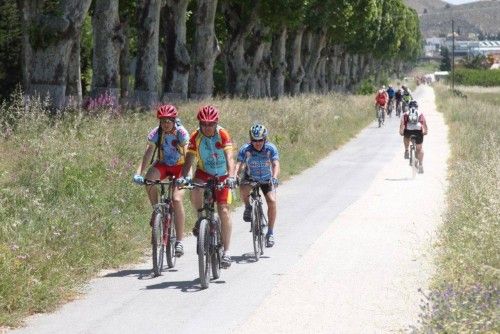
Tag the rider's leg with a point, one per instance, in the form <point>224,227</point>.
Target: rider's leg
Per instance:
<point>152,174</point>
<point>197,197</point>
<point>225,218</point>
<point>245,193</point>
<point>179,212</point>
<point>271,209</point>
<point>420,153</point>
<point>406,142</point>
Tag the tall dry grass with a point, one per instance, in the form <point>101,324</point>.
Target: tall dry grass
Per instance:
<point>465,296</point>
<point>68,207</point>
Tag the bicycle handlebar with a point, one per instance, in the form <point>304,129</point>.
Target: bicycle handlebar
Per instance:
<point>159,182</point>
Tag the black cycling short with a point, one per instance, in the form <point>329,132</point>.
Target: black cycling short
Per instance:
<point>418,133</point>
<point>265,187</point>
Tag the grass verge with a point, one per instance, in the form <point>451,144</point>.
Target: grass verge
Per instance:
<point>68,207</point>
<point>465,294</point>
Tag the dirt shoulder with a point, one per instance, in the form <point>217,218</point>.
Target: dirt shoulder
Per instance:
<point>364,272</point>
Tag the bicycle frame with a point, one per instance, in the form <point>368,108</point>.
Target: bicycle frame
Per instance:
<point>413,155</point>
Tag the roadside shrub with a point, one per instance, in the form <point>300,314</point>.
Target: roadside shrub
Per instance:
<point>474,77</point>
<point>366,87</point>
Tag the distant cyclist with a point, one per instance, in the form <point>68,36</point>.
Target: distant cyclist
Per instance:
<point>212,147</point>
<point>169,140</point>
<point>391,94</point>
<point>260,159</point>
<point>413,123</point>
<point>398,96</point>
<point>381,99</point>
<point>406,97</point>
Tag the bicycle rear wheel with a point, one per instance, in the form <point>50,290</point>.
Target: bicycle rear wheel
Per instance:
<point>216,250</point>
<point>157,245</point>
<point>413,161</point>
<point>171,238</point>
<point>203,245</point>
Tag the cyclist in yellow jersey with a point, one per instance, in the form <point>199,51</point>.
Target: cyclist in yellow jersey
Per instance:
<point>211,145</point>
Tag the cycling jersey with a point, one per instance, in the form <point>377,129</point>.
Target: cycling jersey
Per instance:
<point>258,162</point>
<point>171,144</point>
<point>391,93</point>
<point>399,95</point>
<point>381,99</point>
<point>210,151</point>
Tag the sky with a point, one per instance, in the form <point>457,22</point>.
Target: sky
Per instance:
<point>459,2</point>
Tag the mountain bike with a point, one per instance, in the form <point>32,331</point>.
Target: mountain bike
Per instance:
<point>413,155</point>
<point>380,115</point>
<point>259,220</point>
<point>398,108</point>
<point>163,233</point>
<point>209,239</point>
<point>390,107</point>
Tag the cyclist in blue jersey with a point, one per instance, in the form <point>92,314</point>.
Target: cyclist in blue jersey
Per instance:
<point>260,160</point>
<point>391,93</point>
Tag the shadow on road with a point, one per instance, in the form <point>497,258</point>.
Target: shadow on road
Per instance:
<point>184,286</point>
<point>246,258</point>
<point>140,273</point>
<point>401,179</point>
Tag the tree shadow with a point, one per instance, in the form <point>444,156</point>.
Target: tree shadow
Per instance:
<point>139,273</point>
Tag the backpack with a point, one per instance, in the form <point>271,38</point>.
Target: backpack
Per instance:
<point>413,116</point>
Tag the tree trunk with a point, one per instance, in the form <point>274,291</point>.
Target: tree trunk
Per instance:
<point>320,77</point>
<point>205,50</point>
<point>278,63</point>
<point>237,68</point>
<point>108,40</point>
<point>265,73</point>
<point>176,63</point>
<point>74,80</point>
<point>254,55</point>
<point>47,47</point>
<point>125,64</point>
<point>146,77</point>
<point>295,69</point>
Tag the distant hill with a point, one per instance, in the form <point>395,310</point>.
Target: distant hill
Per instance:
<point>479,18</point>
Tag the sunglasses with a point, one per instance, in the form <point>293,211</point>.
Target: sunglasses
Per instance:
<point>257,140</point>
<point>208,124</point>
<point>166,120</point>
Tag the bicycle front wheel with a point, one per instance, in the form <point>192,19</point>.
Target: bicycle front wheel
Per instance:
<point>216,250</point>
<point>203,245</point>
<point>171,238</point>
<point>157,244</point>
<point>257,232</point>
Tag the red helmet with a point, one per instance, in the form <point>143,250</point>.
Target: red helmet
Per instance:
<point>166,111</point>
<point>208,114</point>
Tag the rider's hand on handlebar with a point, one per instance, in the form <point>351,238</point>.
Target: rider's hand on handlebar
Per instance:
<point>231,182</point>
<point>274,181</point>
<point>183,181</point>
<point>139,179</point>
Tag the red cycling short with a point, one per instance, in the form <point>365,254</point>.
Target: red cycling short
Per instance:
<point>222,195</point>
<point>165,170</point>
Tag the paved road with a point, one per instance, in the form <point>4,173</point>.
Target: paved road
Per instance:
<point>352,242</point>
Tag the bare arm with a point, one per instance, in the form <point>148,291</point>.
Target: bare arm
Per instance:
<point>145,159</point>
<point>230,162</point>
<point>275,168</point>
<point>190,156</point>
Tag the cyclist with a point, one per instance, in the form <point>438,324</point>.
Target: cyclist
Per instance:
<point>261,159</point>
<point>381,99</point>
<point>413,123</point>
<point>211,145</point>
<point>406,97</point>
<point>391,94</point>
<point>170,140</point>
<point>399,99</point>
